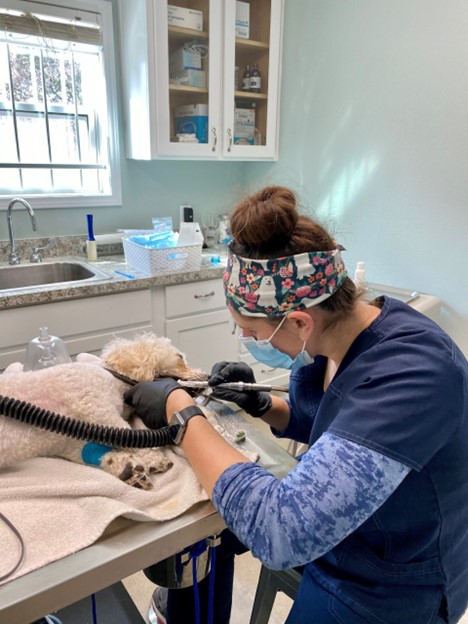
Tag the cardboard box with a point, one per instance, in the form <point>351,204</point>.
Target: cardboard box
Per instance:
<point>244,126</point>
<point>186,18</point>
<point>183,59</point>
<point>189,77</point>
<point>192,119</point>
<point>242,19</point>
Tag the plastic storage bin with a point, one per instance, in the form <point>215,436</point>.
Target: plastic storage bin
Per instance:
<point>162,261</point>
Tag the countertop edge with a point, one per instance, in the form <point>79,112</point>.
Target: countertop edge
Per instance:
<point>116,283</point>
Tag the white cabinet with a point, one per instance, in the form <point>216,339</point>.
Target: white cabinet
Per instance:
<point>154,95</point>
<point>197,322</point>
<point>85,325</point>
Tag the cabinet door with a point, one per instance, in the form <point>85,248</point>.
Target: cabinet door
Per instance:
<point>204,338</point>
<point>251,118</point>
<point>188,74</point>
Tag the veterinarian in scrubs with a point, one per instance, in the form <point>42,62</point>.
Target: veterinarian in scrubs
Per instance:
<point>376,510</point>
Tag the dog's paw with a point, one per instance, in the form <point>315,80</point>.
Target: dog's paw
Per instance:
<point>135,468</point>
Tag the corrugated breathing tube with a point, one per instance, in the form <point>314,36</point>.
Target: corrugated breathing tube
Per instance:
<point>111,436</point>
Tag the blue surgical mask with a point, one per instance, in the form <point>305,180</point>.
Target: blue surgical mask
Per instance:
<point>263,351</point>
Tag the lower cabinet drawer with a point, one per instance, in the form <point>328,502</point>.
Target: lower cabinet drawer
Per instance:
<point>186,299</point>
<point>85,325</point>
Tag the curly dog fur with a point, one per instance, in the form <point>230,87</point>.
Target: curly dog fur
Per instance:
<point>85,390</point>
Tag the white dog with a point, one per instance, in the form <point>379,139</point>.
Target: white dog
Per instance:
<point>86,391</point>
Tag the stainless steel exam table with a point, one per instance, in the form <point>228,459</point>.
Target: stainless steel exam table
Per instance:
<point>127,546</point>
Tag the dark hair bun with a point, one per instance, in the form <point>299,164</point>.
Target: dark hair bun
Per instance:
<point>266,219</point>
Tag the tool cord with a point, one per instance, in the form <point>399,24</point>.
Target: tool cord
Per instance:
<point>116,437</point>
<point>17,534</point>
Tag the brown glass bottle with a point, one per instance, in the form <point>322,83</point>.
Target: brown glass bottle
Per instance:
<point>255,79</point>
<point>246,79</point>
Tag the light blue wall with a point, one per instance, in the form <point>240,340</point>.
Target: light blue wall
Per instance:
<point>374,137</point>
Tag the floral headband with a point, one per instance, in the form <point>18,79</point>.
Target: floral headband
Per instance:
<point>273,287</point>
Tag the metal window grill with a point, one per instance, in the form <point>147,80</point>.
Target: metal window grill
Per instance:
<point>52,101</point>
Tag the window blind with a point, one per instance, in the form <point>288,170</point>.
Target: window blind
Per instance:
<point>38,23</point>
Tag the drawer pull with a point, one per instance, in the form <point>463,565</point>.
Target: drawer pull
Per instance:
<point>267,370</point>
<point>210,294</point>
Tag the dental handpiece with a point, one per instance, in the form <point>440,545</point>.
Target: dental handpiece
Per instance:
<point>240,386</point>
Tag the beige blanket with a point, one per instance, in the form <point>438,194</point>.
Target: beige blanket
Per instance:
<point>60,507</point>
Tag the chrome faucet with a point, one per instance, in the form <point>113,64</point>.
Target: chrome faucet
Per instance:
<point>13,255</point>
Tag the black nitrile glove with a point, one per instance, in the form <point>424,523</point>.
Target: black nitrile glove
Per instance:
<point>149,400</point>
<point>254,403</point>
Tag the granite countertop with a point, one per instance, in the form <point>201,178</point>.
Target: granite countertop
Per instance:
<point>109,280</point>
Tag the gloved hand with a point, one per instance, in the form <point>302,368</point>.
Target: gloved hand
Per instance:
<point>254,403</point>
<point>149,400</point>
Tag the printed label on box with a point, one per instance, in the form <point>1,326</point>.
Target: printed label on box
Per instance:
<point>186,18</point>
<point>242,19</point>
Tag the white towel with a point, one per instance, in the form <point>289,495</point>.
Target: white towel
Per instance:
<point>60,507</point>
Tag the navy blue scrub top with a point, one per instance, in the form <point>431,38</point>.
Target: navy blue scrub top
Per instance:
<point>402,390</point>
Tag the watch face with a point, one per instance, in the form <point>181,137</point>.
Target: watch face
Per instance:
<point>177,419</point>
<point>182,417</point>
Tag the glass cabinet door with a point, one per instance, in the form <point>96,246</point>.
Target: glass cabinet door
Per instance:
<point>252,67</point>
<point>188,92</point>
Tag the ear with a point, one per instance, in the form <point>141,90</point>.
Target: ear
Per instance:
<point>304,322</point>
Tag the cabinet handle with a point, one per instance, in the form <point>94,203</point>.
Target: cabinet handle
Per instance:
<point>210,294</point>
<point>234,328</point>
<point>267,370</point>
<point>229,133</point>
<point>215,139</point>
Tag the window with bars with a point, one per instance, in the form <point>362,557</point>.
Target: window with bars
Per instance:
<point>58,124</point>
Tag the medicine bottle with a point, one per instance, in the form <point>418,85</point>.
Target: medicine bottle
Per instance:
<point>246,79</point>
<point>255,79</point>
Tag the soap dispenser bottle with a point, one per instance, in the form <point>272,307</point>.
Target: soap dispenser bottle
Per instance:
<point>360,275</point>
<point>45,351</point>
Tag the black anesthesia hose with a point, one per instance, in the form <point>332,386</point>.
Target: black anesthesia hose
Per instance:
<point>111,436</point>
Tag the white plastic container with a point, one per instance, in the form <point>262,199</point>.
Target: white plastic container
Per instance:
<point>360,275</point>
<point>163,261</point>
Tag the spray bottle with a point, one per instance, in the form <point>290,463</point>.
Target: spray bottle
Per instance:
<point>360,275</point>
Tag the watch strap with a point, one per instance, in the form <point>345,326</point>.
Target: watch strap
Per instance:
<point>181,418</point>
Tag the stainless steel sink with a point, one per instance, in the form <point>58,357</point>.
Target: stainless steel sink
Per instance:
<point>48,273</point>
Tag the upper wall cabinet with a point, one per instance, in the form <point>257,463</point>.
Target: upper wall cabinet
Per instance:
<point>201,78</point>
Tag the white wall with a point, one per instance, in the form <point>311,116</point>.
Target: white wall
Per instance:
<point>374,137</point>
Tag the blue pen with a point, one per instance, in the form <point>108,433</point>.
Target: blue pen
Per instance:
<point>129,275</point>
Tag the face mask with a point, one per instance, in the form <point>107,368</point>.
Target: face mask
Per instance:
<point>263,351</point>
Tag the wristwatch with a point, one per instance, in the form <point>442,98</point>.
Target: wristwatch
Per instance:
<point>182,417</point>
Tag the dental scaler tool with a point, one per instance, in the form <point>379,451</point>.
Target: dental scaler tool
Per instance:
<point>240,386</point>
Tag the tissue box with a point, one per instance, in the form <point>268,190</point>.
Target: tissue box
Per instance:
<point>186,18</point>
<point>242,19</point>
<point>189,77</point>
<point>183,59</point>
<point>192,118</point>
<point>244,126</point>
